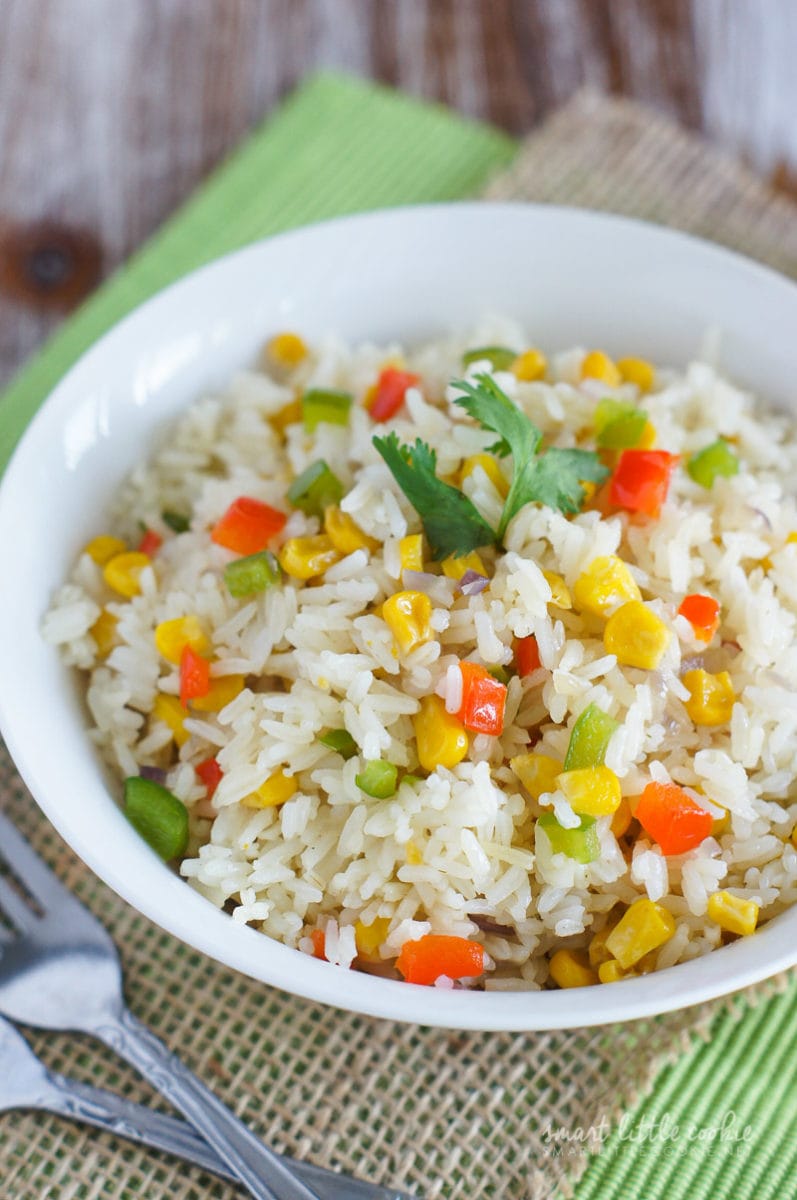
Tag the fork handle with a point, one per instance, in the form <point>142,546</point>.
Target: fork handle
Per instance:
<point>136,1123</point>
<point>254,1165</point>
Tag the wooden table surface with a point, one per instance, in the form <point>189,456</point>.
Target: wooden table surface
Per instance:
<point>111,111</point>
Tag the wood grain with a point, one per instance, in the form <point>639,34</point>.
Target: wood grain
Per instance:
<point>111,112</point>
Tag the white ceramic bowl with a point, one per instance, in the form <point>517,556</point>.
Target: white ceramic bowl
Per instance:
<point>572,277</point>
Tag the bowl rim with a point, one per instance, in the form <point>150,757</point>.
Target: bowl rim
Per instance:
<point>207,929</point>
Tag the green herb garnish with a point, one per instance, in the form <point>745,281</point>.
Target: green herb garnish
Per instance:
<point>451,521</point>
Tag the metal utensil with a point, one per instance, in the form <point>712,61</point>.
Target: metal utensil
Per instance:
<point>60,970</point>
<point>25,1082</point>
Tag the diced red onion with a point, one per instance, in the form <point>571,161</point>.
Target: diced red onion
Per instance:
<point>153,774</point>
<point>436,587</point>
<point>472,583</point>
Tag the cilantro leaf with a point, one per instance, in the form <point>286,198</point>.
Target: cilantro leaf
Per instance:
<point>553,477</point>
<point>451,522</point>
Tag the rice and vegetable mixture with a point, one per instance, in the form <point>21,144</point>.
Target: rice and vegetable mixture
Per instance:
<point>456,664</point>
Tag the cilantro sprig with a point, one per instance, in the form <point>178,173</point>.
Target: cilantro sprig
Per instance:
<point>452,523</point>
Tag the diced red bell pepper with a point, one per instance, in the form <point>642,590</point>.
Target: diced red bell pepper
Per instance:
<point>673,819</point>
<point>436,954</point>
<point>318,938</point>
<point>389,391</point>
<point>527,656</point>
<point>248,526</point>
<point>210,773</point>
<point>483,700</point>
<point>641,480</point>
<point>702,613</point>
<point>150,543</point>
<point>194,676</point>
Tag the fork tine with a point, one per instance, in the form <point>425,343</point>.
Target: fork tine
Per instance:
<point>28,867</point>
<point>15,908</point>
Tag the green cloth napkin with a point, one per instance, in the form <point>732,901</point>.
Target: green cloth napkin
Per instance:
<point>340,146</point>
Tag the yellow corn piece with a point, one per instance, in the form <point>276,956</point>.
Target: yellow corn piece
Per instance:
<point>605,584</point>
<point>537,772</point>
<point>413,855</point>
<point>441,740</point>
<point>407,615</point>
<point>491,469</point>
<point>560,592</point>
<point>368,938</point>
<point>455,568</point>
<point>344,532</point>
<point>104,548</point>
<point>570,969</point>
<point>792,538</point>
<point>643,927</point>
<point>612,972</point>
<point>278,788</point>
<point>123,570</point>
<point>590,791</point>
<point>647,438</point>
<point>104,633</point>
<point>638,371</point>
<point>597,365</point>
<point>307,557</point>
<point>169,710</point>
<point>172,637</point>
<point>597,951</point>
<point>711,697</point>
<point>636,636</point>
<point>223,690</point>
<point>411,552</point>
<point>622,818</point>
<point>530,365</point>
<point>732,913</point>
<point>289,414</point>
<point>286,350</point>
<point>721,824</point>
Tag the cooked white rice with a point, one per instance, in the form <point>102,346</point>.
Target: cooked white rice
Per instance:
<point>455,852</point>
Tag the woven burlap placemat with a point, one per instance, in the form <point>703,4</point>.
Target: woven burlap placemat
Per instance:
<point>456,1115</point>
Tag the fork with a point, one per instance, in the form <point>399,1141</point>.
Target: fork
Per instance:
<point>25,1082</point>
<point>61,970</point>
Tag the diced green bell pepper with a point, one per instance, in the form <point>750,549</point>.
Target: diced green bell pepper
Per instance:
<point>341,741</point>
<point>618,424</point>
<point>501,357</point>
<point>252,574</point>
<point>158,815</point>
<point>716,459</point>
<point>589,738</point>
<point>315,489</point>
<point>378,779</point>
<point>580,843</point>
<point>325,405</point>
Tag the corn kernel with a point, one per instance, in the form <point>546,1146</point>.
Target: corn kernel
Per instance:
<point>104,633</point>
<point>307,557</point>
<point>123,570</point>
<point>223,690</point>
<point>597,952</point>
<point>368,938</point>
<point>612,972</point>
<point>636,636</point>
<point>590,791</point>
<point>792,538</point>
<point>491,469</point>
<point>413,855</point>
<point>407,615</point>
<point>643,927</point>
<point>411,552</point>
<point>278,788</point>
<point>289,414</point>
<point>441,740</point>
<point>597,365</point>
<point>647,438</point>
<point>621,821</point>
<point>638,371</point>
<point>570,969</point>
<point>711,697</point>
<point>169,710</point>
<point>104,548</point>
<point>732,913</point>
<point>604,585</point>
<point>286,350</point>
<point>530,365</point>
<point>172,637</point>
<point>560,593</point>
<point>344,533</point>
<point>537,773</point>
<point>455,567</point>
<point>721,824</point>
